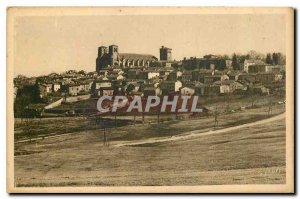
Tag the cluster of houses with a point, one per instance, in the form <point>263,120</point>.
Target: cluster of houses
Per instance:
<point>165,80</point>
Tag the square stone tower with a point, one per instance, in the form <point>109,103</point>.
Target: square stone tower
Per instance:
<point>165,54</point>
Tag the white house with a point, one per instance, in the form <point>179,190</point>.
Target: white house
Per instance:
<point>153,74</point>
<point>187,91</point>
<point>224,77</point>
<point>102,84</point>
<point>45,89</point>
<point>120,77</point>
<point>179,74</point>
<point>249,62</point>
<point>178,85</point>
<point>56,87</point>
<point>105,78</point>
<point>227,86</point>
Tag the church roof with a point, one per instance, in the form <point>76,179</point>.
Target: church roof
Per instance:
<point>133,56</point>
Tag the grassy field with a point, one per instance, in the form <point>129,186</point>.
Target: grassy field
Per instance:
<point>42,127</point>
<point>247,155</point>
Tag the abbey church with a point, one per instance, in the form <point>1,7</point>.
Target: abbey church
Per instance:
<point>111,57</point>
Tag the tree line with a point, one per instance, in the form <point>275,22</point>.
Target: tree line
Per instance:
<point>271,58</point>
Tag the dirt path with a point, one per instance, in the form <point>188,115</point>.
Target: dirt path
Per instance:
<point>199,133</point>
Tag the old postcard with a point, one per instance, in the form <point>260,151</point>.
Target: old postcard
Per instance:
<point>150,100</point>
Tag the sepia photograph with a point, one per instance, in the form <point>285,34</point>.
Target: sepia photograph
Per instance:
<point>150,100</point>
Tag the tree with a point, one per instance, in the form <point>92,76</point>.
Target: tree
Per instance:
<point>269,59</point>
<point>29,94</point>
<point>235,64</point>
<point>82,72</point>
<point>255,55</point>
<point>224,56</point>
<point>282,59</point>
<point>28,129</point>
<point>142,87</point>
<point>20,105</point>
<point>241,59</point>
<point>270,108</point>
<point>278,59</point>
<point>130,88</point>
<point>216,114</point>
<point>275,58</point>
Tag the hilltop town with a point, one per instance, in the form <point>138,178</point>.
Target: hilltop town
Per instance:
<point>145,75</point>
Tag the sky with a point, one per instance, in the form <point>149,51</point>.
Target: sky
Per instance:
<point>45,44</point>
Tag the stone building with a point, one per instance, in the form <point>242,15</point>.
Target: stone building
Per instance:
<point>249,62</point>
<point>210,62</point>
<point>265,78</point>
<point>165,53</point>
<point>111,57</point>
<point>168,87</point>
<point>259,68</point>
